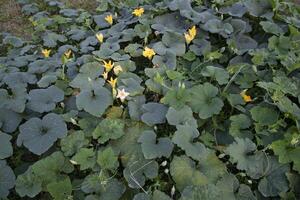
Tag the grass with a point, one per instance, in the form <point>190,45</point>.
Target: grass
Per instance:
<point>12,20</point>
<point>89,5</point>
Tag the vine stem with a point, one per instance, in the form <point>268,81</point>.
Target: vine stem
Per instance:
<point>232,78</point>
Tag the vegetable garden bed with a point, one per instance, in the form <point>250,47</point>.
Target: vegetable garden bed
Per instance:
<point>150,100</point>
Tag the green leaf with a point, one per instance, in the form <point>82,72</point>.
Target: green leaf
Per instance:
<point>104,187</point>
<point>153,147</point>
<point>184,137</point>
<point>73,143</point>
<point>86,158</point>
<point>245,193</point>
<point>271,27</point>
<point>228,186</point>
<point>94,101</point>
<point>107,159</point>
<point>54,166</point>
<point>238,125</point>
<point>288,151</point>
<point>176,98</point>
<point>275,180</point>
<point>156,195</point>
<point>212,167</point>
<point>264,115</point>
<point>184,173</point>
<point>7,179</point>
<point>109,129</point>
<point>217,73</point>
<point>204,100</point>
<point>154,113</point>
<point>44,100</point>
<point>183,116</point>
<point>60,190</point>
<point>89,76</point>
<point>171,41</point>
<point>28,184</point>
<point>239,150</point>
<point>205,192</point>
<point>6,149</point>
<point>10,121</point>
<point>14,101</point>
<point>139,171</point>
<point>38,135</point>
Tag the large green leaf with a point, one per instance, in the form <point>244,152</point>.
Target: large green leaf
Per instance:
<point>275,180</point>
<point>183,116</point>
<point>109,129</point>
<point>184,173</point>
<point>205,192</point>
<point>239,151</point>
<point>7,179</point>
<point>94,101</point>
<point>44,100</point>
<point>38,135</point>
<point>171,41</point>
<point>73,143</point>
<point>60,190</point>
<point>85,157</point>
<point>153,147</point>
<point>184,137</point>
<point>6,147</point>
<point>107,159</point>
<point>204,100</point>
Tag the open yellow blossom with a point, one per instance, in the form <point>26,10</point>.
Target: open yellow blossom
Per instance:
<point>68,53</point>
<point>112,82</point>
<point>108,65</point>
<point>105,75</point>
<point>190,35</point>
<point>46,52</point>
<point>138,12</point>
<point>100,37</point>
<point>122,94</point>
<point>246,97</point>
<point>148,53</point>
<point>109,19</point>
<point>117,69</point>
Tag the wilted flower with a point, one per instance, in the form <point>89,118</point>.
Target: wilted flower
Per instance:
<point>117,69</point>
<point>138,12</point>
<point>148,53</point>
<point>68,53</point>
<point>246,97</point>
<point>105,75</point>
<point>109,19</point>
<point>46,52</point>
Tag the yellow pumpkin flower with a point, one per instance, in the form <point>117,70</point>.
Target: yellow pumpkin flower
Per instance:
<point>246,97</point>
<point>100,37</point>
<point>190,35</point>
<point>109,19</point>
<point>68,53</point>
<point>112,82</point>
<point>138,12</point>
<point>148,53</point>
<point>46,52</point>
<point>117,69</point>
<point>108,65</point>
<point>105,75</point>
